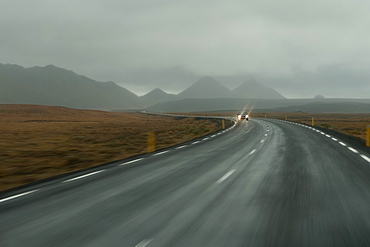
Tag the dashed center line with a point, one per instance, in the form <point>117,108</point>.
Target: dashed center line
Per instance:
<point>16,196</point>
<point>343,144</point>
<point>180,147</point>
<point>334,139</point>
<point>144,243</point>
<point>225,176</point>
<point>252,152</point>
<point>262,141</point>
<point>83,176</point>
<point>195,143</point>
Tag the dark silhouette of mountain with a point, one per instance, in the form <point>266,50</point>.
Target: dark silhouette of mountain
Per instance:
<point>51,85</point>
<point>157,96</point>
<point>319,97</point>
<point>252,89</point>
<point>206,88</point>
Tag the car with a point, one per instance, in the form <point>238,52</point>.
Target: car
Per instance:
<point>242,116</point>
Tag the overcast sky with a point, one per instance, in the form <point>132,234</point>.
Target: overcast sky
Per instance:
<point>299,48</point>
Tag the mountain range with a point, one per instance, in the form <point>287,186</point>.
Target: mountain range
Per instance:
<point>55,86</point>
<point>51,85</point>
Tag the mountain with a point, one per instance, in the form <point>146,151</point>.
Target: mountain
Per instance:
<point>206,88</point>
<point>254,90</point>
<point>157,96</point>
<point>51,85</point>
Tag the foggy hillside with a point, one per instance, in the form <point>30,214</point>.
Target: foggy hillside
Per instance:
<point>51,85</point>
<point>254,90</point>
<point>206,88</point>
<point>157,96</point>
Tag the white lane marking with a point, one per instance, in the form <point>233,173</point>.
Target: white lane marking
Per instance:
<point>353,150</point>
<point>180,147</point>
<point>225,176</point>
<point>195,143</point>
<point>365,158</point>
<point>252,152</point>
<point>16,196</point>
<point>328,136</point>
<point>265,134</point>
<point>343,144</point>
<point>132,161</point>
<point>205,139</point>
<point>334,139</point>
<point>213,136</point>
<point>144,243</point>
<point>161,153</point>
<point>262,141</point>
<point>83,176</point>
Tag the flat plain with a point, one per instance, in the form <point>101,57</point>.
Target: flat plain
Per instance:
<point>38,142</point>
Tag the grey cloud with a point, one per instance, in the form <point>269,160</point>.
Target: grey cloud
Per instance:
<point>146,44</point>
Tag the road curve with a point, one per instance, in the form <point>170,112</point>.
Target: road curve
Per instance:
<point>261,183</point>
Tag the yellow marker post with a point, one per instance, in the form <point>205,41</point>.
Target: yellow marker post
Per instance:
<point>368,136</point>
<point>313,121</point>
<point>223,123</point>
<point>151,142</point>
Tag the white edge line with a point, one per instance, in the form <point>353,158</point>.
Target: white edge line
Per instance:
<point>225,176</point>
<point>161,153</point>
<point>353,150</point>
<point>83,176</point>
<point>132,161</point>
<point>181,147</point>
<point>365,158</point>
<point>16,196</point>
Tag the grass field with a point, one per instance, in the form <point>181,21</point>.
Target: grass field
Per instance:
<point>37,142</point>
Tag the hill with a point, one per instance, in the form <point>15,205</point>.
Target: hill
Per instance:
<point>157,96</point>
<point>51,85</point>
<point>206,88</point>
<point>254,90</point>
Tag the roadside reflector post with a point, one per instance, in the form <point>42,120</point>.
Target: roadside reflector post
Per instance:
<point>368,136</point>
<point>151,142</point>
<point>265,116</point>
<point>223,123</point>
<point>313,121</point>
<point>286,117</point>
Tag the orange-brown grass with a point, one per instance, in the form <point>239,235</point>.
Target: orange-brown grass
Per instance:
<point>37,142</point>
<point>350,124</point>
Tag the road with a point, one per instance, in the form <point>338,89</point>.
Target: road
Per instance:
<point>261,183</point>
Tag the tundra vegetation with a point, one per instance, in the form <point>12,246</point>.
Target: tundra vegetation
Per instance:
<point>38,142</point>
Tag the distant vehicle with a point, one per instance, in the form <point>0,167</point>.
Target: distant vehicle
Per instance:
<point>242,116</point>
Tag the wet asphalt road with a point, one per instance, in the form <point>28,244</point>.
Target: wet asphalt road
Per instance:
<point>262,183</point>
